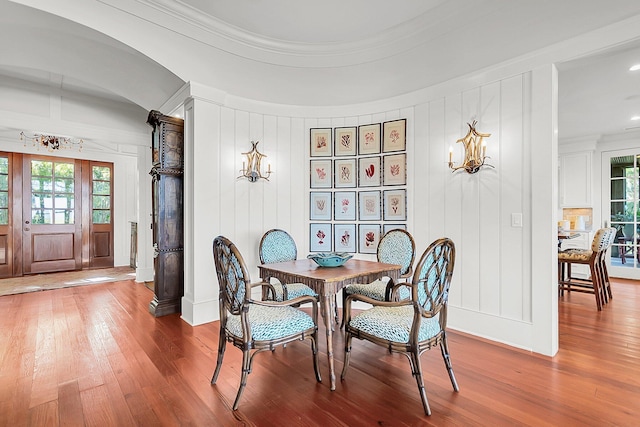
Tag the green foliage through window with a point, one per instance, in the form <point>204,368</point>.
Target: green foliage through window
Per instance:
<point>52,192</point>
<point>101,195</point>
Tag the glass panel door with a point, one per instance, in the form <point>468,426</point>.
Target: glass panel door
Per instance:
<point>621,206</point>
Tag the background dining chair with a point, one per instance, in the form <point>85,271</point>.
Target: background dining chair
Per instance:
<point>411,326</point>
<point>278,246</point>
<point>395,247</point>
<point>598,281</point>
<point>256,326</point>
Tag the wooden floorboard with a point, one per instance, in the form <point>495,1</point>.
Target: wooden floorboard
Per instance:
<point>94,356</point>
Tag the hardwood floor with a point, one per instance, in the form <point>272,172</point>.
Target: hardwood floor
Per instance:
<point>94,356</point>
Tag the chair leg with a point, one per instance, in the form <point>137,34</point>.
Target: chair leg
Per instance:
<point>596,284</point>
<point>246,369</point>
<point>604,296</point>
<point>222,344</point>
<point>607,282</point>
<point>416,370</point>
<point>444,348</point>
<point>314,350</point>
<point>347,353</point>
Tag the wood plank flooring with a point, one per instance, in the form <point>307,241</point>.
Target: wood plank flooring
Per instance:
<point>94,356</point>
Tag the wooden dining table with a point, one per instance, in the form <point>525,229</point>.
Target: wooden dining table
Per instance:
<point>326,282</point>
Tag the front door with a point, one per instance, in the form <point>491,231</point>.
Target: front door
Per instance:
<point>51,214</point>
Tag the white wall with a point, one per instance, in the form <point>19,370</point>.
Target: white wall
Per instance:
<point>492,291</point>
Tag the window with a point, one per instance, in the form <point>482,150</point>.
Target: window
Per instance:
<point>4,191</point>
<point>52,192</point>
<point>101,194</point>
<point>625,209</point>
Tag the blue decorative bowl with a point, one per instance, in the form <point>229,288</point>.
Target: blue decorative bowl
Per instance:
<point>330,259</point>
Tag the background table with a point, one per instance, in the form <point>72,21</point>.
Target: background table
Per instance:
<point>326,282</point>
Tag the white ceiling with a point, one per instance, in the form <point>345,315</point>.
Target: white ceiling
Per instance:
<point>332,52</point>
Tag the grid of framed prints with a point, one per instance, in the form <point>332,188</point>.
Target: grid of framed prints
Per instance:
<point>358,178</point>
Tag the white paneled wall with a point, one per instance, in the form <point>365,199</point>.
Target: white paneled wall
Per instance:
<point>492,283</point>
<point>498,269</point>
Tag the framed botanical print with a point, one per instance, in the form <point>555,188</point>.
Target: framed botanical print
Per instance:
<point>320,237</point>
<point>344,237</point>
<point>369,171</point>
<point>345,141</point>
<point>321,173</point>
<point>369,205</point>
<point>321,142</point>
<point>368,238</point>
<point>369,139</point>
<point>345,173</point>
<point>344,205</point>
<point>395,205</point>
<point>395,169</point>
<point>394,136</point>
<point>320,209</point>
<point>388,227</point>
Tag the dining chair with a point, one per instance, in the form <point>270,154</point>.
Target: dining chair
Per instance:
<point>412,326</point>
<point>278,246</point>
<point>256,326</point>
<point>598,281</point>
<point>395,247</point>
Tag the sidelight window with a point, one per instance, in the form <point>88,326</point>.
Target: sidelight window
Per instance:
<point>101,194</point>
<point>4,191</point>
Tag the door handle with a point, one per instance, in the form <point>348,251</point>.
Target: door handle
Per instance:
<point>27,229</point>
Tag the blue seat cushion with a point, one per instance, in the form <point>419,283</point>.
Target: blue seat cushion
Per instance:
<point>294,290</point>
<point>270,323</point>
<point>394,324</point>
<point>376,290</point>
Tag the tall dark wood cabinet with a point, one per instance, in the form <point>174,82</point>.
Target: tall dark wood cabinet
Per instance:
<point>167,222</point>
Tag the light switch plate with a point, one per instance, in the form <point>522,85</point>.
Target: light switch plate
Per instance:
<point>516,220</point>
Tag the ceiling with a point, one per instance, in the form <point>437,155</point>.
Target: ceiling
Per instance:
<point>321,53</point>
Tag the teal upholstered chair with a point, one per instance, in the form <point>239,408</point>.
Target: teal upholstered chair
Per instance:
<point>278,246</point>
<point>412,326</point>
<point>395,247</point>
<point>256,326</point>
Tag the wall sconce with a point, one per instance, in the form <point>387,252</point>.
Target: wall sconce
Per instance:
<point>475,150</point>
<point>251,166</point>
<point>51,142</point>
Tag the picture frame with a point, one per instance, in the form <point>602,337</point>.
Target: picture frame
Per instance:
<point>369,205</point>
<point>320,206</point>
<point>321,173</point>
<point>395,205</point>
<point>344,238</point>
<point>394,136</point>
<point>369,139</point>
<point>395,169</point>
<point>321,142</point>
<point>320,237</point>
<point>344,206</point>
<point>345,173</point>
<point>388,227</point>
<point>369,171</point>
<point>345,141</point>
<point>368,238</point>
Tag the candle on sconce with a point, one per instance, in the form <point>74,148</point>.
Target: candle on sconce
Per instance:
<point>484,149</point>
<point>243,166</point>
<point>450,154</point>
<point>268,167</point>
